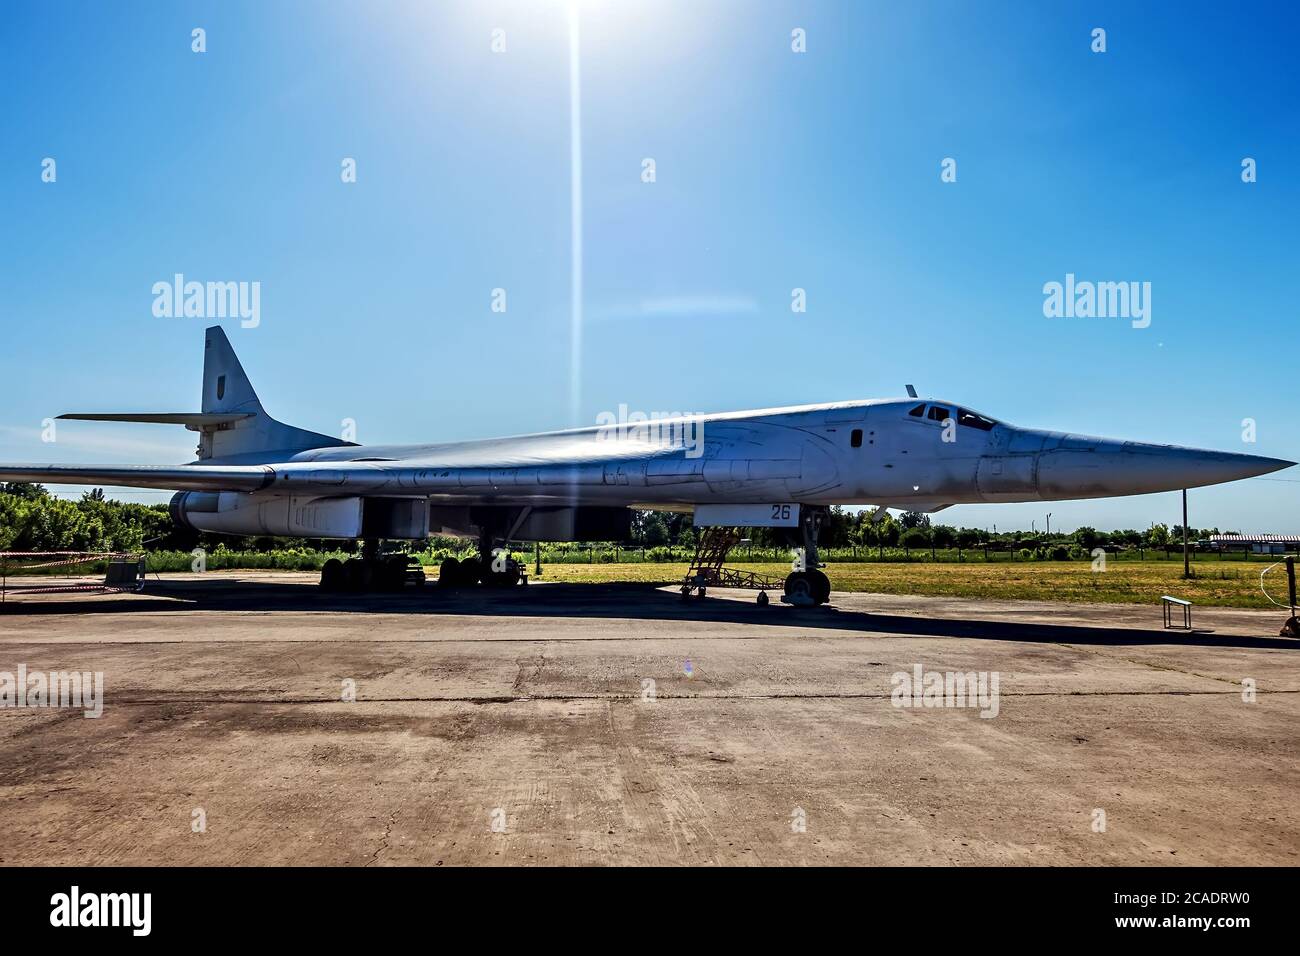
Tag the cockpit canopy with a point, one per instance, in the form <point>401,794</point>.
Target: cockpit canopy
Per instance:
<point>933,411</point>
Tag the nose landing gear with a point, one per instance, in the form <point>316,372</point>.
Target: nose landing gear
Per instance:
<point>807,588</point>
<point>811,586</point>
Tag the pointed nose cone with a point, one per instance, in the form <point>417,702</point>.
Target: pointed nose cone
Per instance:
<point>1102,468</point>
<point>1193,467</point>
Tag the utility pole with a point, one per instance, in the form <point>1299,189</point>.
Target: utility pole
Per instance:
<point>1049,524</point>
<point>1187,561</point>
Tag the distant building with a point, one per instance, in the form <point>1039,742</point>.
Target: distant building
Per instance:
<point>1256,543</point>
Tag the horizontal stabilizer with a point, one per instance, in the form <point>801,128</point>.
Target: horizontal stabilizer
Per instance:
<point>194,420</point>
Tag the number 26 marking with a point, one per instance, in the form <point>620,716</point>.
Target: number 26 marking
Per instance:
<point>780,512</point>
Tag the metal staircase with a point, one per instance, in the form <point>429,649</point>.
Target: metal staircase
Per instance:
<point>707,569</point>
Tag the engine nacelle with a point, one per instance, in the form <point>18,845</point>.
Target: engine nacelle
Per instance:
<point>300,516</point>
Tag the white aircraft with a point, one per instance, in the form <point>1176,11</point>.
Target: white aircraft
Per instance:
<point>777,467</point>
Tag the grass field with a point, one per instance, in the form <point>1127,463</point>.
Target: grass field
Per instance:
<point>1216,583</point>
<point>1124,582</point>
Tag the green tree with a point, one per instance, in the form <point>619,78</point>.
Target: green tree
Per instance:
<point>656,530</point>
<point>914,519</point>
<point>915,538</point>
<point>943,536</point>
<point>23,489</point>
<point>1086,538</point>
<point>887,531</point>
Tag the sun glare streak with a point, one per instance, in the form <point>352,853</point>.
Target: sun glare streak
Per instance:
<point>575,217</point>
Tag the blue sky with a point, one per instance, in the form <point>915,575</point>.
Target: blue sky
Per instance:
<point>774,170</point>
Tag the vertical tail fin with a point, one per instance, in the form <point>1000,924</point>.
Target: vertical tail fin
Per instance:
<point>252,440</point>
<point>225,386</point>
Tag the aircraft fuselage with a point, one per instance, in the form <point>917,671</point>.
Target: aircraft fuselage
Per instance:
<point>855,453</point>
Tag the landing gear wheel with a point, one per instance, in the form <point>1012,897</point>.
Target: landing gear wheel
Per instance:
<point>359,575</point>
<point>332,575</point>
<point>762,599</point>
<point>821,586</point>
<point>449,573</point>
<point>699,594</point>
<point>799,588</point>
<point>471,571</point>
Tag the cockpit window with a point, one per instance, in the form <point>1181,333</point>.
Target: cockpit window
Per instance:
<point>938,413</point>
<point>974,420</point>
<point>918,411</point>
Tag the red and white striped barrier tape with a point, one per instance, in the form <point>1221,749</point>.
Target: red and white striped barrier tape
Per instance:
<point>80,557</point>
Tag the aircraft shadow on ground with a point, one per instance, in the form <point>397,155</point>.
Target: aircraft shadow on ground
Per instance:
<point>638,602</point>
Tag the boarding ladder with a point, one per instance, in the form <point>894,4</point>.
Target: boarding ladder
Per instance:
<point>707,569</point>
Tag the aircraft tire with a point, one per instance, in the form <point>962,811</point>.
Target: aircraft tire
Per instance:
<point>471,571</point>
<point>449,573</point>
<point>798,584</point>
<point>360,575</point>
<point>332,576</point>
<point>821,586</point>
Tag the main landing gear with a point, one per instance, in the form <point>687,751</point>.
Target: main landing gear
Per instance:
<point>472,571</point>
<point>491,569</point>
<point>371,571</point>
<point>811,586</point>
